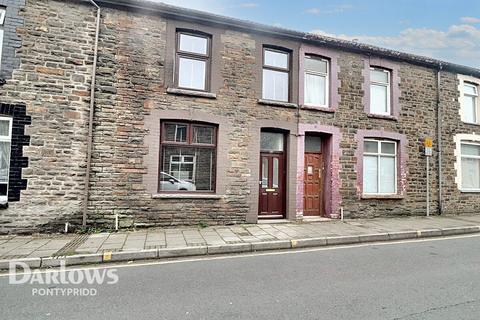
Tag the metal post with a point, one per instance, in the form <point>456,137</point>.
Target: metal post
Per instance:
<point>428,186</point>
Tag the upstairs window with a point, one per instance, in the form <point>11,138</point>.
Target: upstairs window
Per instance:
<point>380,91</point>
<point>379,167</point>
<point>470,103</point>
<point>193,61</point>
<point>5,147</point>
<point>470,166</point>
<point>316,81</point>
<point>2,23</point>
<point>188,157</point>
<point>276,75</point>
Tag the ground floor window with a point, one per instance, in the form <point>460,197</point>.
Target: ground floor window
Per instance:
<point>470,166</point>
<point>379,166</point>
<point>188,157</point>
<point>5,147</point>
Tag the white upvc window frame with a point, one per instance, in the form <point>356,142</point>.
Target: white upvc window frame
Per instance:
<point>387,85</point>
<point>9,140</point>
<point>476,103</point>
<point>3,11</point>
<point>379,155</point>
<point>317,73</point>
<point>466,142</point>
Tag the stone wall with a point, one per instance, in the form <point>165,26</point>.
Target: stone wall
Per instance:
<point>131,101</point>
<point>52,81</point>
<point>135,66</point>
<point>416,121</point>
<point>455,201</point>
<point>132,96</point>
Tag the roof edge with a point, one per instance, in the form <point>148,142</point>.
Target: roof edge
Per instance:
<point>211,18</point>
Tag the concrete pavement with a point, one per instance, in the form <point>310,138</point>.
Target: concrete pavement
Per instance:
<point>433,279</point>
<point>50,250</point>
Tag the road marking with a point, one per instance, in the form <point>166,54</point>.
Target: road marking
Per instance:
<point>245,255</point>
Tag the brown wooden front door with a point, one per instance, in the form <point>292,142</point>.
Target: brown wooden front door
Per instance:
<point>313,185</point>
<point>272,186</point>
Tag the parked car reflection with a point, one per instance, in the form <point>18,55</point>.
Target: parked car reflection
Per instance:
<point>170,183</point>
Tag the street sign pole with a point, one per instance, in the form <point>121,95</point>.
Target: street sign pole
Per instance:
<point>428,153</point>
<point>428,186</point>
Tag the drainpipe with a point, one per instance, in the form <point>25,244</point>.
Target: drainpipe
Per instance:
<point>90,118</point>
<point>297,134</point>
<point>439,137</point>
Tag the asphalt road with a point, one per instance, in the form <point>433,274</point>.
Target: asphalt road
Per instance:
<point>412,280</point>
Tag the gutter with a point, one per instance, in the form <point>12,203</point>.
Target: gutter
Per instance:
<point>90,118</point>
<point>439,138</point>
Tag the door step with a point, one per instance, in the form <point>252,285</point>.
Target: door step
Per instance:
<point>273,221</point>
<point>316,219</point>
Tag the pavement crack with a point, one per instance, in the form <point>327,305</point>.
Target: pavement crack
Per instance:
<point>437,309</point>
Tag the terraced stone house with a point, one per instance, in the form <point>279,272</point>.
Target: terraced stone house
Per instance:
<point>198,118</point>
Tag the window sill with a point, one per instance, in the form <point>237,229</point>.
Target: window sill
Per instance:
<point>382,196</point>
<point>471,123</point>
<point>277,103</point>
<point>469,191</point>
<point>192,93</point>
<point>186,196</point>
<point>318,108</point>
<point>382,116</point>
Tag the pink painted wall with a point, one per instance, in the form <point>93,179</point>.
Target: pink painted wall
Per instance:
<point>332,197</point>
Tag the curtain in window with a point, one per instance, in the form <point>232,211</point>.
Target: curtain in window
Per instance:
<point>387,175</point>
<point>4,128</point>
<point>469,112</point>
<point>470,173</point>
<point>370,178</point>
<point>191,73</point>
<point>378,97</point>
<point>315,89</point>
<point>4,160</point>
<point>275,85</point>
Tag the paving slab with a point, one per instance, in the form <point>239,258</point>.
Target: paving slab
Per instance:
<point>34,244</point>
<point>42,253</point>
<point>166,243</point>
<point>87,250</point>
<point>55,244</point>
<point>470,219</point>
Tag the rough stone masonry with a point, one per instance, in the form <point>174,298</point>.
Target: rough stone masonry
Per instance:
<point>47,64</point>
